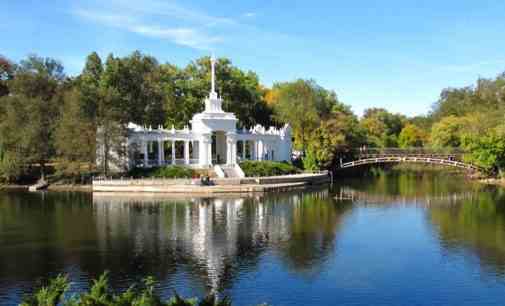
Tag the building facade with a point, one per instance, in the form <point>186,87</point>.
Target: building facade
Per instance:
<point>211,139</point>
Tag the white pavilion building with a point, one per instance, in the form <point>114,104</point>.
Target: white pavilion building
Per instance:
<point>212,139</point>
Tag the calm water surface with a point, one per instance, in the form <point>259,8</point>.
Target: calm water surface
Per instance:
<point>398,239</point>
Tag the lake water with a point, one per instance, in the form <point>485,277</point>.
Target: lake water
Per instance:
<point>397,239</point>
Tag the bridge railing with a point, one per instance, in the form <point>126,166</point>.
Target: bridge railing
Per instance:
<point>452,153</point>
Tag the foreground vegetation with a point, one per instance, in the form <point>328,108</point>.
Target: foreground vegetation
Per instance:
<point>47,117</point>
<point>101,294</point>
<point>267,168</point>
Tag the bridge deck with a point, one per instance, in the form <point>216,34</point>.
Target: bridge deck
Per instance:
<point>408,158</point>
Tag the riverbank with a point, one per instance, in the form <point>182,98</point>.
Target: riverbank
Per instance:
<point>51,187</point>
<point>217,186</point>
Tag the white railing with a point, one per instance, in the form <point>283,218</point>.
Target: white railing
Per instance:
<point>143,181</point>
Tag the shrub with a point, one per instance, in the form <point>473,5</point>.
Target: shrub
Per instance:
<point>162,172</point>
<point>267,168</point>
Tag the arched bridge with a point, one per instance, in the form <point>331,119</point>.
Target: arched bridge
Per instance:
<point>453,158</point>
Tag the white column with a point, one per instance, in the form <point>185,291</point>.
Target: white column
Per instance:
<point>228,151</point>
<point>160,153</point>
<point>204,151</point>
<point>146,153</point>
<point>260,151</point>
<point>253,149</point>
<point>244,143</point>
<point>209,152</point>
<point>234,151</point>
<point>186,152</point>
<point>173,152</point>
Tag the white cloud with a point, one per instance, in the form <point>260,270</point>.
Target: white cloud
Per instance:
<point>144,19</point>
<point>171,9</point>
<point>182,36</point>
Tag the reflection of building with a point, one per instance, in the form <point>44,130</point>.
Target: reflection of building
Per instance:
<point>215,238</point>
<point>213,139</point>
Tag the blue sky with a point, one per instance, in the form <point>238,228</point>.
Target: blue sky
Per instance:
<point>397,54</point>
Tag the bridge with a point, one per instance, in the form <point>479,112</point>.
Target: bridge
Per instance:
<point>452,158</point>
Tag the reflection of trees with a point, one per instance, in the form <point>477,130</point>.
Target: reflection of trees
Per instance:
<point>214,239</point>
<point>412,184</point>
<point>38,230</point>
<point>42,234</point>
<point>316,220</point>
<point>202,243</point>
<point>478,226</point>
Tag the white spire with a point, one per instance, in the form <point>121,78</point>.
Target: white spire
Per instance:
<point>213,76</point>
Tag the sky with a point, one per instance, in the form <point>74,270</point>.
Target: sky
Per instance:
<point>396,54</point>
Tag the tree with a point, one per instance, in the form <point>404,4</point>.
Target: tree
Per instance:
<point>134,79</point>
<point>25,134</point>
<point>75,136</point>
<point>110,133</point>
<point>487,151</point>
<point>31,110</point>
<point>448,132</point>
<point>411,136</point>
<point>6,74</point>
<point>335,138</point>
<point>296,104</point>
<point>382,127</point>
<point>89,83</point>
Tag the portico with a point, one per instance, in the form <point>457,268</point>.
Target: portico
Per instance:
<point>213,139</point>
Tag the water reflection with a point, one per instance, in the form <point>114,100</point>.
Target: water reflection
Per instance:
<point>387,240</point>
<point>194,245</point>
<point>476,225</point>
<point>466,216</point>
<point>215,239</point>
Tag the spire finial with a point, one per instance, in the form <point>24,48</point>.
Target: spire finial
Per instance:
<point>213,72</point>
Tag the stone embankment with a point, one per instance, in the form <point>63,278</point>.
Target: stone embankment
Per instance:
<point>217,186</point>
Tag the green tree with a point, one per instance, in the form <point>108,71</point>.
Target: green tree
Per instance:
<point>411,136</point>
<point>448,132</point>
<point>487,150</point>
<point>134,79</point>
<point>296,104</point>
<point>75,136</point>
<point>382,127</point>
<point>335,138</point>
<point>6,74</point>
<point>31,110</point>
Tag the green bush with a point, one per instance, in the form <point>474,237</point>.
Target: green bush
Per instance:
<point>100,293</point>
<point>162,172</point>
<point>267,168</point>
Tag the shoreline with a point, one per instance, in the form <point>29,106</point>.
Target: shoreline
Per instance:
<point>233,186</point>
<point>493,182</point>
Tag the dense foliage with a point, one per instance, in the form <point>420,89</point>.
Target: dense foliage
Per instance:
<point>267,168</point>
<point>47,118</point>
<point>100,293</point>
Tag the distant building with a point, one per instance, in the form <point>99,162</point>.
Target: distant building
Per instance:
<point>212,139</point>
